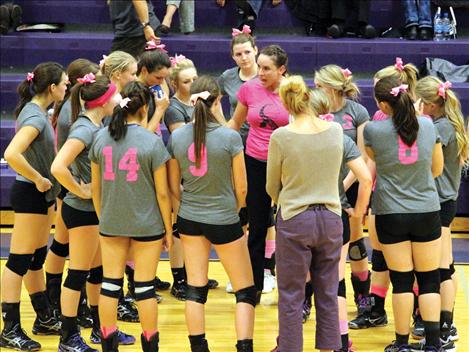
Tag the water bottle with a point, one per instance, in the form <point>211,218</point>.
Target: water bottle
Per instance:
<point>446,24</point>
<point>438,28</point>
<point>158,90</point>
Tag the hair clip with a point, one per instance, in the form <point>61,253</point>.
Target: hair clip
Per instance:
<point>400,89</point>
<point>176,59</point>
<point>346,72</point>
<point>123,103</point>
<point>443,87</point>
<point>151,45</point>
<point>202,95</point>
<point>399,65</point>
<point>30,76</point>
<point>88,78</point>
<point>245,30</point>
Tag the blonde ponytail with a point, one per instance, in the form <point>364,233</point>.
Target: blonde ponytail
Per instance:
<point>295,95</point>
<point>333,76</point>
<point>320,102</point>
<point>408,75</point>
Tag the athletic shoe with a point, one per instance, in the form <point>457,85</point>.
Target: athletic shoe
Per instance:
<point>17,339</point>
<point>454,336</point>
<point>75,343</point>
<point>161,285</point>
<point>178,291</point>
<point>446,345</point>
<point>212,284</point>
<point>229,288</point>
<point>269,282</point>
<point>122,337</point>
<point>394,348</point>
<point>306,309</point>
<point>51,326</point>
<point>418,330</point>
<point>126,311</point>
<point>368,320</point>
<point>158,297</point>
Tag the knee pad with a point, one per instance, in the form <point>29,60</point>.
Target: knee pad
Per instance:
<point>76,279</point>
<point>112,287</point>
<point>378,263</point>
<point>452,269</point>
<point>144,290</point>
<point>341,292</point>
<point>96,275</point>
<point>428,281</point>
<point>197,294</point>
<point>247,295</point>
<point>19,263</point>
<point>39,258</point>
<point>59,249</point>
<point>402,282</point>
<point>357,250</point>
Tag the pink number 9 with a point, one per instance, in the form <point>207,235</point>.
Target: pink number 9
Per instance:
<point>407,155</point>
<point>348,122</point>
<point>203,161</point>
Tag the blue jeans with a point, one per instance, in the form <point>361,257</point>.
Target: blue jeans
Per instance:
<point>417,13</point>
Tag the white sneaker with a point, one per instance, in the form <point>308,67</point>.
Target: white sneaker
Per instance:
<point>229,288</point>
<point>269,282</point>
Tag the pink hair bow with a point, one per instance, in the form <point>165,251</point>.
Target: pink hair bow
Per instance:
<point>123,103</point>
<point>399,64</point>
<point>88,78</point>
<point>151,45</point>
<point>176,59</point>
<point>29,76</point>
<point>101,62</point>
<point>202,95</point>
<point>346,72</point>
<point>246,30</point>
<point>443,87</point>
<point>327,117</point>
<point>401,89</point>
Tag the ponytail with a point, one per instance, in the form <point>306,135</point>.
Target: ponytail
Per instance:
<point>75,101</point>
<point>118,125</point>
<point>406,74</point>
<point>337,78</point>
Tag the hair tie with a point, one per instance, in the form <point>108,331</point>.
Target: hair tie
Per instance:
<point>202,95</point>
<point>400,89</point>
<point>102,61</point>
<point>30,76</point>
<point>245,30</point>
<point>87,79</point>
<point>443,87</point>
<point>346,72</point>
<point>151,45</point>
<point>176,59</point>
<point>327,117</point>
<point>399,65</point>
<point>123,103</point>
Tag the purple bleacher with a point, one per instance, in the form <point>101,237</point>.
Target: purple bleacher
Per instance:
<point>7,177</point>
<point>7,131</point>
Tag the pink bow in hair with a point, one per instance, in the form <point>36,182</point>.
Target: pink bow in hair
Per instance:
<point>176,59</point>
<point>123,103</point>
<point>246,30</point>
<point>401,89</point>
<point>327,117</point>
<point>399,64</point>
<point>101,62</point>
<point>443,87</point>
<point>29,76</point>
<point>151,45</point>
<point>88,78</point>
<point>202,95</point>
<point>346,72</point>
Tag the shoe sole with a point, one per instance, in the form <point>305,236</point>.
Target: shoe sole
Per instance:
<point>18,349</point>
<point>40,333</point>
<point>417,337</point>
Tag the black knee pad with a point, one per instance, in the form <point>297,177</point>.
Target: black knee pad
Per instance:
<point>39,258</point>
<point>197,294</point>
<point>19,263</point>
<point>378,263</point>
<point>402,282</point>
<point>341,292</point>
<point>452,269</point>
<point>428,281</point>
<point>59,249</point>
<point>144,290</point>
<point>96,275</point>
<point>247,295</point>
<point>357,250</point>
<point>112,287</point>
<point>76,279</point>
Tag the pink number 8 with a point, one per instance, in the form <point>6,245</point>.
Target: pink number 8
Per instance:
<point>407,155</point>
<point>203,161</point>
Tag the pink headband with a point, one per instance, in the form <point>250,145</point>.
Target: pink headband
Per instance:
<point>443,87</point>
<point>103,99</point>
<point>88,78</point>
<point>346,72</point>
<point>151,45</point>
<point>246,30</point>
<point>401,89</point>
<point>202,95</point>
<point>176,59</point>
<point>399,65</point>
<point>29,76</point>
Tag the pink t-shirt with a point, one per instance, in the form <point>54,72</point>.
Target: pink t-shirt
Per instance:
<point>379,116</point>
<point>265,114</point>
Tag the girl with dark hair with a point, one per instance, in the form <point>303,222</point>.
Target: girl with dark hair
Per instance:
<point>30,154</point>
<point>128,173</point>
<point>408,155</point>
<point>72,168</point>
<point>208,157</point>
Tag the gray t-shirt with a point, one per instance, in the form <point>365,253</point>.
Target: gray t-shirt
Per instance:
<point>449,181</point>
<point>177,112</point>
<point>83,130</point>
<point>125,21</point>
<point>129,207</point>
<point>350,117</point>
<point>41,152</point>
<point>64,122</point>
<point>351,152</point>
<point>208,195</point>
<point>404,181</point>
<point>230,83</point>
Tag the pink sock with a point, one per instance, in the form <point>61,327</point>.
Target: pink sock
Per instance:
<point>379,291</point>
<point>130,263</point>
<point>149,334</point>
<point>343,326</point>
<point>416,290</point>
<point>108,331</point>
<point>362,275</point>
<point>269,248</point>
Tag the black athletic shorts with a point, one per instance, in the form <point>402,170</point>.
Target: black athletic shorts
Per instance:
<point>448,212</point>
<point>138,238</point>
<point>216,234</point>
<point>63,192</point>
<point>416,227</point>
<point>26,199</point>
<point>77,218</point>
<point>352,194</point>
<point>346,226</point>
<point>243,216</point>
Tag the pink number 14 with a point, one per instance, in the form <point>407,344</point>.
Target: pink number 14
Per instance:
<point>127,163</point>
